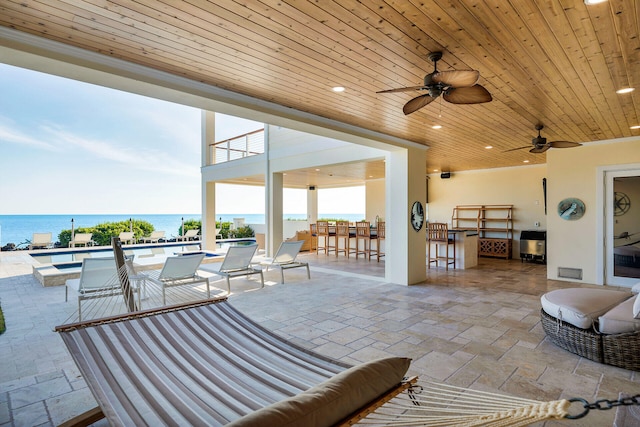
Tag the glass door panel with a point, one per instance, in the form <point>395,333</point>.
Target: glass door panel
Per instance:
<point>623,227</point>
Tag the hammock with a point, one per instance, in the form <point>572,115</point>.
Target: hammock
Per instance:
<point>205,363</point>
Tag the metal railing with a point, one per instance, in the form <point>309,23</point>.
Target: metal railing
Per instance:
<point>249,144</point>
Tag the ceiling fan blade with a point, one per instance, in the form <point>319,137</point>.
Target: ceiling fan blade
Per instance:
<point>417,103</point>
<point>457,78</point>
<point>564,144</point>
<point>540,149</point>
<point>515,149</point>
<point>475,94</point>
<point>402,89</point>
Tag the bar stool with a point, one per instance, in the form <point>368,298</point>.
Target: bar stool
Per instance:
<point>342,234</point>
<point>379,238</point>
<point>438,235</point>
<point>363,232</point>
<point>322,231</point>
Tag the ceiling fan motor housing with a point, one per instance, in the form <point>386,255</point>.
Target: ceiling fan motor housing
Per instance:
<point>539,141</point>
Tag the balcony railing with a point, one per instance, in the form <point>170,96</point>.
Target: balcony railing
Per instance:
<point>249,144</point>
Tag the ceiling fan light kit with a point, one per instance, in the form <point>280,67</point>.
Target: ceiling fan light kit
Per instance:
<point>455,86</point>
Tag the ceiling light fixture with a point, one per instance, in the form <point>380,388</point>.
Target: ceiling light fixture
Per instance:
<point>591,2</point>
<point>625,90</point>
<point>635,127</point>
<point>525,161</point>
<point>436,127</point>
<point>489,147</point>
<point>337,89</point>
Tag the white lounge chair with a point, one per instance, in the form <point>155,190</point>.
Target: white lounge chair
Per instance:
<point>98,279</point>
<point>237,262</point>
<point>41,240</point>
<point>83,239</point>
<point>177,271</point>
<point>127,237</point>
<point>188,236</point>
<point>154,237</point>
<point>285,258</point>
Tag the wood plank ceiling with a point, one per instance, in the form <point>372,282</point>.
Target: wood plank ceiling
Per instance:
<point>556,62</point>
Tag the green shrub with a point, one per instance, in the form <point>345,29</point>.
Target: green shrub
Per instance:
<point>102,233</point>
<point>245,231</point>
<point>190,224</point>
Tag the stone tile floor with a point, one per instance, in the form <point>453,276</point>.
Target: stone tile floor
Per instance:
<point>475,328</point>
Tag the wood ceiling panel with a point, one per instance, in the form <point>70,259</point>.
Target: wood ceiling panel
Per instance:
<point>557,63</point>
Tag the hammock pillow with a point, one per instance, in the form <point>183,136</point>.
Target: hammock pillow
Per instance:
<point>333,400</point>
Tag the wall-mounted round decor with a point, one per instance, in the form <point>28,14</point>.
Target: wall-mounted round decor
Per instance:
<point>621,203</point>
<point>417,215</point>
<point>571,209</point>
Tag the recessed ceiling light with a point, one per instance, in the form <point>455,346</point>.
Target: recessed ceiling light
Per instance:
<point>625,90</point>
<point>436,127</point>
<point>590,2</point>
<point>435,170</point>
<point>337,89</point>
<point>489,147</point>
<point>525,161</point>
<point>635,127</point>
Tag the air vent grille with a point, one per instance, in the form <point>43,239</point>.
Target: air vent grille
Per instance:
<point>570,273</point>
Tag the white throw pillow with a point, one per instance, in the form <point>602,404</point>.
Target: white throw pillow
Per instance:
<point>636,307</point>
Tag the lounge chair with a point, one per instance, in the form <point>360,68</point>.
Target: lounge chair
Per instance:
<point>237,262</point>
<point>81,239</point>
<point>41,240</point>
<point>285,258</point>
<point>154,237</point>
<point>98,279</point>
<point>188,236</point>
<point>177,271</point>
<point>127,237</point>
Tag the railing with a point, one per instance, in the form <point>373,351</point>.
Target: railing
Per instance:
<point>249,144</point>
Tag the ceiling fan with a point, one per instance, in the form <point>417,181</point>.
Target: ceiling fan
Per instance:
<point>456,86</point>
<point>540,144</point>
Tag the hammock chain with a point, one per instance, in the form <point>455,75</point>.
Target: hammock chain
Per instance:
<point>603,404</point>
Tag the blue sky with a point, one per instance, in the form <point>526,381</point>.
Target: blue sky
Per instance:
<point>71,147</point>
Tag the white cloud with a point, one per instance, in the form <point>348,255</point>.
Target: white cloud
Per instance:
<point>8,134</point>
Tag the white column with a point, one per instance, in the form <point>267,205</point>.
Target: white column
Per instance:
<point>274,212</point>
<point>405,250</point>
<point>208,188</point>
<point>312,204</point>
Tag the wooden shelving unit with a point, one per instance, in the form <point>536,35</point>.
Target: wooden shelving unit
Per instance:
<point>494,224</point>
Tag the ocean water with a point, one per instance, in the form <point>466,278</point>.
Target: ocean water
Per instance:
<point>19,229</point>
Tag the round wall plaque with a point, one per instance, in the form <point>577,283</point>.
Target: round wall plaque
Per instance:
<point>417,215</point>
<point>571,209</point>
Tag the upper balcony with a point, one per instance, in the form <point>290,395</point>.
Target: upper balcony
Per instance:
<point>239,147</point>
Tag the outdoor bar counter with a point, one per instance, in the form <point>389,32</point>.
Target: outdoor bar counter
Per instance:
<point>466,247</point>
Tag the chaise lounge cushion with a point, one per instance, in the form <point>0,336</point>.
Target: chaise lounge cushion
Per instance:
<point>619,319</point>
<point>581,307</point>
<point>333,400</point>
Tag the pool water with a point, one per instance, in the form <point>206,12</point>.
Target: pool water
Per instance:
<point>70,259</point>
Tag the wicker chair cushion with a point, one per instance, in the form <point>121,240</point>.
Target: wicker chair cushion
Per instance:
<point>581,307</point>
<point>619,319</point>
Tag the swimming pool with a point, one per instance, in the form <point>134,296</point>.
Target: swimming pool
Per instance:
<point>54,267</point>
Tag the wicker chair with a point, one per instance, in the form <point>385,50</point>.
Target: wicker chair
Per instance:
<point>616,349</point>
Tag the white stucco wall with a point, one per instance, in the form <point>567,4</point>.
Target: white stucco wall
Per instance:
<point>574,173</point>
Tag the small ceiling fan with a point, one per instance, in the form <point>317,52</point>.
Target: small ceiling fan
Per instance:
<point>540,144</point>
<point>456,86</point>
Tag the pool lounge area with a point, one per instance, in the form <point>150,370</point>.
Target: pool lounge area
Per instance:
<point>53,267</point>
